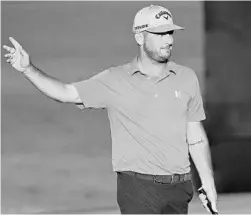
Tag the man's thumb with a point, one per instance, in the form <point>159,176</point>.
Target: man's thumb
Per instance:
<point>213,204</point>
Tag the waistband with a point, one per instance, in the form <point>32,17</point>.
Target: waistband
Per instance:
<point>163,179</point>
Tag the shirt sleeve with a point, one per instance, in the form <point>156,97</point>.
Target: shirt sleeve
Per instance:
<point>94,92</point>
<point>196,111</point>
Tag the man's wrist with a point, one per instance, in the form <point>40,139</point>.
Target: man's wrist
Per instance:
<point>208,182</point>
<point>28,69</point>
<point>207,178</point>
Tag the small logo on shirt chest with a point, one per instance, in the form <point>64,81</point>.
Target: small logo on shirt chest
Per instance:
<point>177,94</point>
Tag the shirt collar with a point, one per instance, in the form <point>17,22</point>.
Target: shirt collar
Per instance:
<point>135,68</point>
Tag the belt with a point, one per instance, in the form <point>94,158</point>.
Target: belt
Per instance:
<point>163,179</point>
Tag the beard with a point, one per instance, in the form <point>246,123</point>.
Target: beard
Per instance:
<point>162,55</point>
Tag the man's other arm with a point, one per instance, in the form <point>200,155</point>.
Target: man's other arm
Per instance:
<point>201,155</point>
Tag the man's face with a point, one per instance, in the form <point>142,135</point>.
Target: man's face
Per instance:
<point>158,46</point>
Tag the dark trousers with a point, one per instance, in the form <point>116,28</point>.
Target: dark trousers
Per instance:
<point>140,196</point>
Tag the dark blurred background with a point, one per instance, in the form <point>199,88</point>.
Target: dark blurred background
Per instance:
<point>57,158</point>
<point>227,94</point>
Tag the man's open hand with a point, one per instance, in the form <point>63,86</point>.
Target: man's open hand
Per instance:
<point>17,56</point>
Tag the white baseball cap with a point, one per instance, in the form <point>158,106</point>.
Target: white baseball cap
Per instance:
<point>154,18</point>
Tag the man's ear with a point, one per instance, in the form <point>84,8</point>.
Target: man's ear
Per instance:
<point>139,37</point>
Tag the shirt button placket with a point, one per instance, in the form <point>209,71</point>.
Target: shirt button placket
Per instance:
<point>155,88</point>
<point>153,83</point>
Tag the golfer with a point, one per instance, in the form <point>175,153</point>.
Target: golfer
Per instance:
<point>155,110</point>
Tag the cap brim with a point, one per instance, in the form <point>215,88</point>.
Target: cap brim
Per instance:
<point>165,28</point>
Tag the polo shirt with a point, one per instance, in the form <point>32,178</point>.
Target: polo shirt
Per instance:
<point>148,116</point>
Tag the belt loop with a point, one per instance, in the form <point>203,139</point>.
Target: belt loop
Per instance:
<point>172,178</point>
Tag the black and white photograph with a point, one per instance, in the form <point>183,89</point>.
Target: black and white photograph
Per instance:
<point>125,107</point>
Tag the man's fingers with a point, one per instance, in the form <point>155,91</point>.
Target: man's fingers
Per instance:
<point>8,55</point>
<point>8,60</point>
<point>17,46</point>
<point>202,197</point>
<point>204,203</point>
<point>9,49</point>
<point>15,43</point>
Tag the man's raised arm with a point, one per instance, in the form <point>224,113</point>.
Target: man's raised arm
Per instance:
<point>49,86</point>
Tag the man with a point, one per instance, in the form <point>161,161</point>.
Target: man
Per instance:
<point>154,107</point>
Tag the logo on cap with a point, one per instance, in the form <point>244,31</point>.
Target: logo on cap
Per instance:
<point>141,27</point>
<point>165,14</point>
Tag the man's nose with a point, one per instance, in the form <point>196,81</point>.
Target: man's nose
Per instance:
<point>168,39</point>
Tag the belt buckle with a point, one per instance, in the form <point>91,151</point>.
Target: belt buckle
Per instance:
<point>162,181</point>
<point>157,179</point>
<point>154,179</point>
